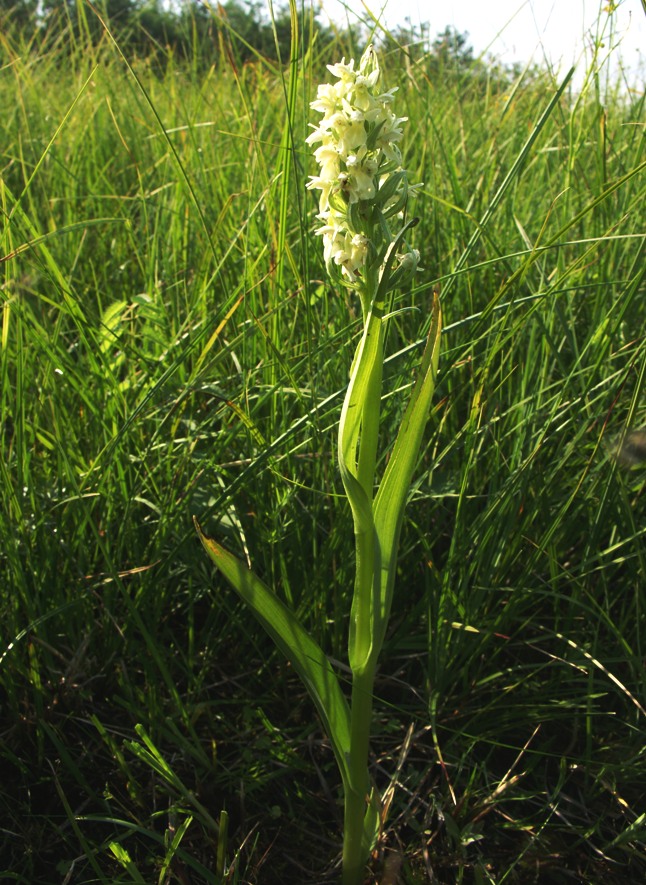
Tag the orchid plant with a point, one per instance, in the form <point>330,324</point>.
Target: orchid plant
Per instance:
<point>364,192</point>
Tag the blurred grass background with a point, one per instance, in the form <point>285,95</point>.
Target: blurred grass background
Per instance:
<point>170,346</point>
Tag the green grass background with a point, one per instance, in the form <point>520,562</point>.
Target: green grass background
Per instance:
<point>170,346</point>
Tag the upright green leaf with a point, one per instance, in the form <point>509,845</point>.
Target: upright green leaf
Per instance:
<point>391,496</point>
<point>358,434</point>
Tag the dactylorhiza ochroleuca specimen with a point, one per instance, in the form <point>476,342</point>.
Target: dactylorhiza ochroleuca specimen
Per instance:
<point>364,193</point>
<point>364,189</point>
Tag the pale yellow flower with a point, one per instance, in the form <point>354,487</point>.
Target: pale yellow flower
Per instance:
<point>357,152</point>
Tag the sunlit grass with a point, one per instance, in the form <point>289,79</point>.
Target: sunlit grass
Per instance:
<point>169,347</point>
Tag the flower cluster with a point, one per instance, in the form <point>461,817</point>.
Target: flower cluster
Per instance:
<point>360,163</point>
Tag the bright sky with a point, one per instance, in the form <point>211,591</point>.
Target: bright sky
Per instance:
<point>517,30</point>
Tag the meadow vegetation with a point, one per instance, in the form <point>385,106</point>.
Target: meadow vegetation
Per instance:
<point>170,346</point>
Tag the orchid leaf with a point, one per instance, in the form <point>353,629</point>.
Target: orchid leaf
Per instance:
<point>358,436</point>
<point>305,655</point>
<point>392,494</point>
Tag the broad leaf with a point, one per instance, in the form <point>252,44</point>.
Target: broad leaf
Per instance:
<point>305,655</point>
<point>391,496</point>
<point>358,436</point>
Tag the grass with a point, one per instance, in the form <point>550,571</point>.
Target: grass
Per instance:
<point>170,347</point>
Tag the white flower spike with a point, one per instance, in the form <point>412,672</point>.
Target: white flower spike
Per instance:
<point>357,153</point>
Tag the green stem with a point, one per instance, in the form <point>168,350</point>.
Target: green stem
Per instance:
<point>370,410</point>
<point>355,846</point>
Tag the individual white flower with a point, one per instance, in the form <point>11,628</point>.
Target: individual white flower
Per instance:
<point>362,92</point>
<point>326,99</point>
<point>341,247</point>
<point>350,136</point>
<point>362,185</point>
<point>348,252</point>
<point>360,244</point>
<point>327,156</point>
<point>342,70</point>
<point>325,186</point>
